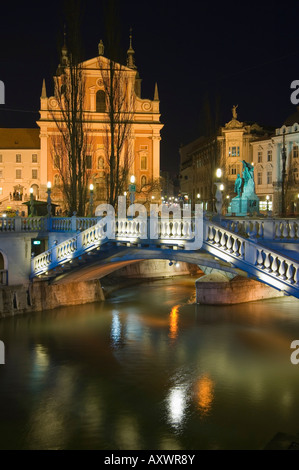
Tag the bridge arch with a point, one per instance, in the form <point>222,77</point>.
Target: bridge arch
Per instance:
<point>101,267</point>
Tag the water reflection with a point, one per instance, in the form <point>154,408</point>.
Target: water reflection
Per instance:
<point>205,394</point>
<point>115,328</point>
<point>114,375</point>
<point>177,405</point>
<point>173,322</point>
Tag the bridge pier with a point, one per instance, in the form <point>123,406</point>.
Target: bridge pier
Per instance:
<point>218,289</point>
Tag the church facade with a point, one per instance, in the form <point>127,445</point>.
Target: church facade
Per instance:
<point>143,141</point>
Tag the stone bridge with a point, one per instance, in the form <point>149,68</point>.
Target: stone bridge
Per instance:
<point>79,249</point>
<point>262,249</point>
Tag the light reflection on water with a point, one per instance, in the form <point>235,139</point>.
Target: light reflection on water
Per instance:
<point>148,369</point>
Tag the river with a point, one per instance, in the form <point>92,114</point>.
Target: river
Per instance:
<point>150,369</point>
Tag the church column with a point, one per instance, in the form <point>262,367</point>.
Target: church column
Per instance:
<point>156,156</point>
<point>43,161</point>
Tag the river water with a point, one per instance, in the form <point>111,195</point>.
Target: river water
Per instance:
<point>149,369</point>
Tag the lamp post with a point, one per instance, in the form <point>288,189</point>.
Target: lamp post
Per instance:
<point>218,195</point>
<point>267,199</point>
<point>90,200</point>
<point>132,189</point>
<point>49,202</point>
<point>31,202</point>
<point>284,159</point>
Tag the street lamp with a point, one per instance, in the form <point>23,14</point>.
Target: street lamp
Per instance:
<point>49,202</point>
<point>90,200</point>
<point>218,195</point>
<point>284,159</point>
<point>31,202</point>
<point>132,189</point>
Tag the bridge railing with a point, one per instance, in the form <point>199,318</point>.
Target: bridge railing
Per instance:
<point>267,229</point>
<point>257,258</point>
<point>119,231</point>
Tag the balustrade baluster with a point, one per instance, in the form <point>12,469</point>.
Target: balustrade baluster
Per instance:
<point>290,273</point>
<point>217,237</point>
<point>260,259</point>
<point>223,240</point>
<point>296,275</point>
<point>282,269</point>
<point>292,230</point>
<point>285,231</point>
<point>229,244</point>
<point>274,266</point>
<point>236,247</point>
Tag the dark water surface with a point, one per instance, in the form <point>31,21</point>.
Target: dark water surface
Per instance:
<point>148,369</point>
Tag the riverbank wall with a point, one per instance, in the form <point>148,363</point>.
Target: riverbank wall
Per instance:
<point>40,295</point>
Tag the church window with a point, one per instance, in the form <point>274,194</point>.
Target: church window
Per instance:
<point>143,163</point>
<point>269,177</point>
<point>56,161</point>
<point>88,162</point>
<point>100,101</point>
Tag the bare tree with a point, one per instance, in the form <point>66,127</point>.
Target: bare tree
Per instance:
<point>70,141</point>
<point>118,84</point>
<point>147,190</point>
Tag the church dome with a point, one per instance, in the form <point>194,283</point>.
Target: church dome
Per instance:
<point>293,118</point>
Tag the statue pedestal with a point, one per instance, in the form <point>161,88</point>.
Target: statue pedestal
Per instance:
<point>244,205</point>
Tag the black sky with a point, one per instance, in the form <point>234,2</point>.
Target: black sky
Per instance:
<point>244,53</point>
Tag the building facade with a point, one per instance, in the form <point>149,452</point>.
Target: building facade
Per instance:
<point>268,154</point>
<point>20,168</point>
<point>225,150</point>
<point>143,143</point>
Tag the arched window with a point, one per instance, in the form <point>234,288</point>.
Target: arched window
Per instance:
<point>100,163</point>
<point>56,180</point>
<point>100,101</point>
<point>143,180</point>
<point>2,263</point>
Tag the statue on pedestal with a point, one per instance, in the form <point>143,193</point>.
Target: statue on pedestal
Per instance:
<point>246,202</point>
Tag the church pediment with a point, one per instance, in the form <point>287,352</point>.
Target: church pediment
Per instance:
<point>234,124</point>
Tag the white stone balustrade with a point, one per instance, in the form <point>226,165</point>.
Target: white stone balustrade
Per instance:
<point>258,259</point>
<point>267,229</point>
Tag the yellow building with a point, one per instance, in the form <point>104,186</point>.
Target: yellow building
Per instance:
<point>225,149</point>
<point>144,140</point>
<point>20,168</point>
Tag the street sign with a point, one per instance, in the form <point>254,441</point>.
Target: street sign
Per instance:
<point>132,188</point>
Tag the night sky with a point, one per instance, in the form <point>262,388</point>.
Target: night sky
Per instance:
<point>198,52</point>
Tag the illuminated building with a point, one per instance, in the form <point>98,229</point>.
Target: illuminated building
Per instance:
<point>144,140</point>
